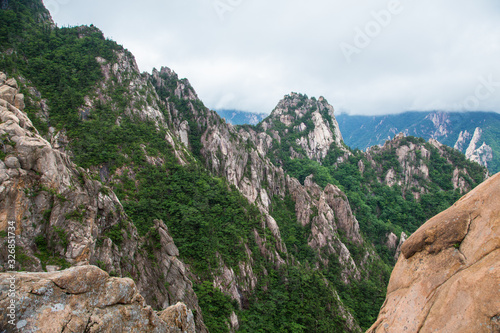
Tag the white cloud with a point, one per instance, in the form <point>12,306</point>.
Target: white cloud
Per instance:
<point>430,56</point>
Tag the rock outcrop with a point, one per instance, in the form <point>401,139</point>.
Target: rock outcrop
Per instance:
<point>311,121</point>
<point>64,216</point>
<point>411,170</point>
<point>402,239</point>
<point>477,152</point>
<point>454,129</point>
<point>462,140</point>
<point>448,276</point>
<point>84,299</point>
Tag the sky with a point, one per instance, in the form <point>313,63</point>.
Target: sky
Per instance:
<point>366,57</point>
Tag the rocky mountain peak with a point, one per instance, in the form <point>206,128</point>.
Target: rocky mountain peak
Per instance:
<point>253,209</point>
<point>296,106</point>
<point>35,8</point>
<point>477,152</point>
<point>410,162</point>
<point>169,79</point>
<point>309,122</point>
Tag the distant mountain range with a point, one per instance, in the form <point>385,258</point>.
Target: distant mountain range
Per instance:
<point>476,134</point>
<point>235,117</point>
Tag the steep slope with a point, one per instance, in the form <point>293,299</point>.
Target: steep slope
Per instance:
<point>256,160</point>
<point>303,128</point>
<point>473,133</point>
<point>447,278</point>
<point>63,217</point>
<point>397,187</point>
<point>393,188</point>
<point>149,157</point>
<point>240,157</point>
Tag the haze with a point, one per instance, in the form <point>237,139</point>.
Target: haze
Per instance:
<point>365,57</point>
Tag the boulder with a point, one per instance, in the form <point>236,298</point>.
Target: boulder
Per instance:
<point>447,278</point>
<point>84,299</point>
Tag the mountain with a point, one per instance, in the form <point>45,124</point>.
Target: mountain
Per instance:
<point>475,134</point>
<point>273,227</point>
<point>64,216</point>
<point>446,279</point>
<point>235,117</point>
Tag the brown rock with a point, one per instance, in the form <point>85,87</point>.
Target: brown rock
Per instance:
<point>77,280</point>
<point>85,299</point>
<point>8,93</point>
<point>448,278</point>
<point>12,82</point>
<point>19,101</point>
<point>179,318</point>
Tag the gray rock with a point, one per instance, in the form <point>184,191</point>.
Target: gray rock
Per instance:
<point>87,299</point>
<point>12,83</point>
<point>12,162</point>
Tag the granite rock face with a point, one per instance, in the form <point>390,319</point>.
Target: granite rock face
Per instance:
<point>313,119</point>
<point>85,299</point>
<point>477,152</point>
<point>241,156</point>
<point>448,276</point>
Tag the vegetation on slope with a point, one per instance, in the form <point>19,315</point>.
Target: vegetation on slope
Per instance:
<point>209,220</point>
<point>379,208</point>
<point>366,131</point>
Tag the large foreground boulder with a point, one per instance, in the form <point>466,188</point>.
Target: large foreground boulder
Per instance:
<point>82,299</point>
<point>448,276</point>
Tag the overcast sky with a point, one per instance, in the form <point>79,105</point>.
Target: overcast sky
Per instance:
<point>363,56</point>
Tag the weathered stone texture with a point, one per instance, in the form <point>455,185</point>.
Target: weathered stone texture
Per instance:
<point>448,276</point>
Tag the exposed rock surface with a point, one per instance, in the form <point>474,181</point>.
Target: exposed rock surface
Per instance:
<point>413,159</point>
<point>314,119</point>
<point>448,276</point>
<point>332,214</point>
<point>239,155</point>
<point>462,140</point>
<point>402,239</point>
<point>392,241</point>
<point>454,129</point>
<point>66,217</point>
<point>477,152</point>
<point>85,299</point>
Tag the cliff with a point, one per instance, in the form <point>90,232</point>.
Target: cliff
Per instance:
<point>64,217</point>
<point>447,278</point>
